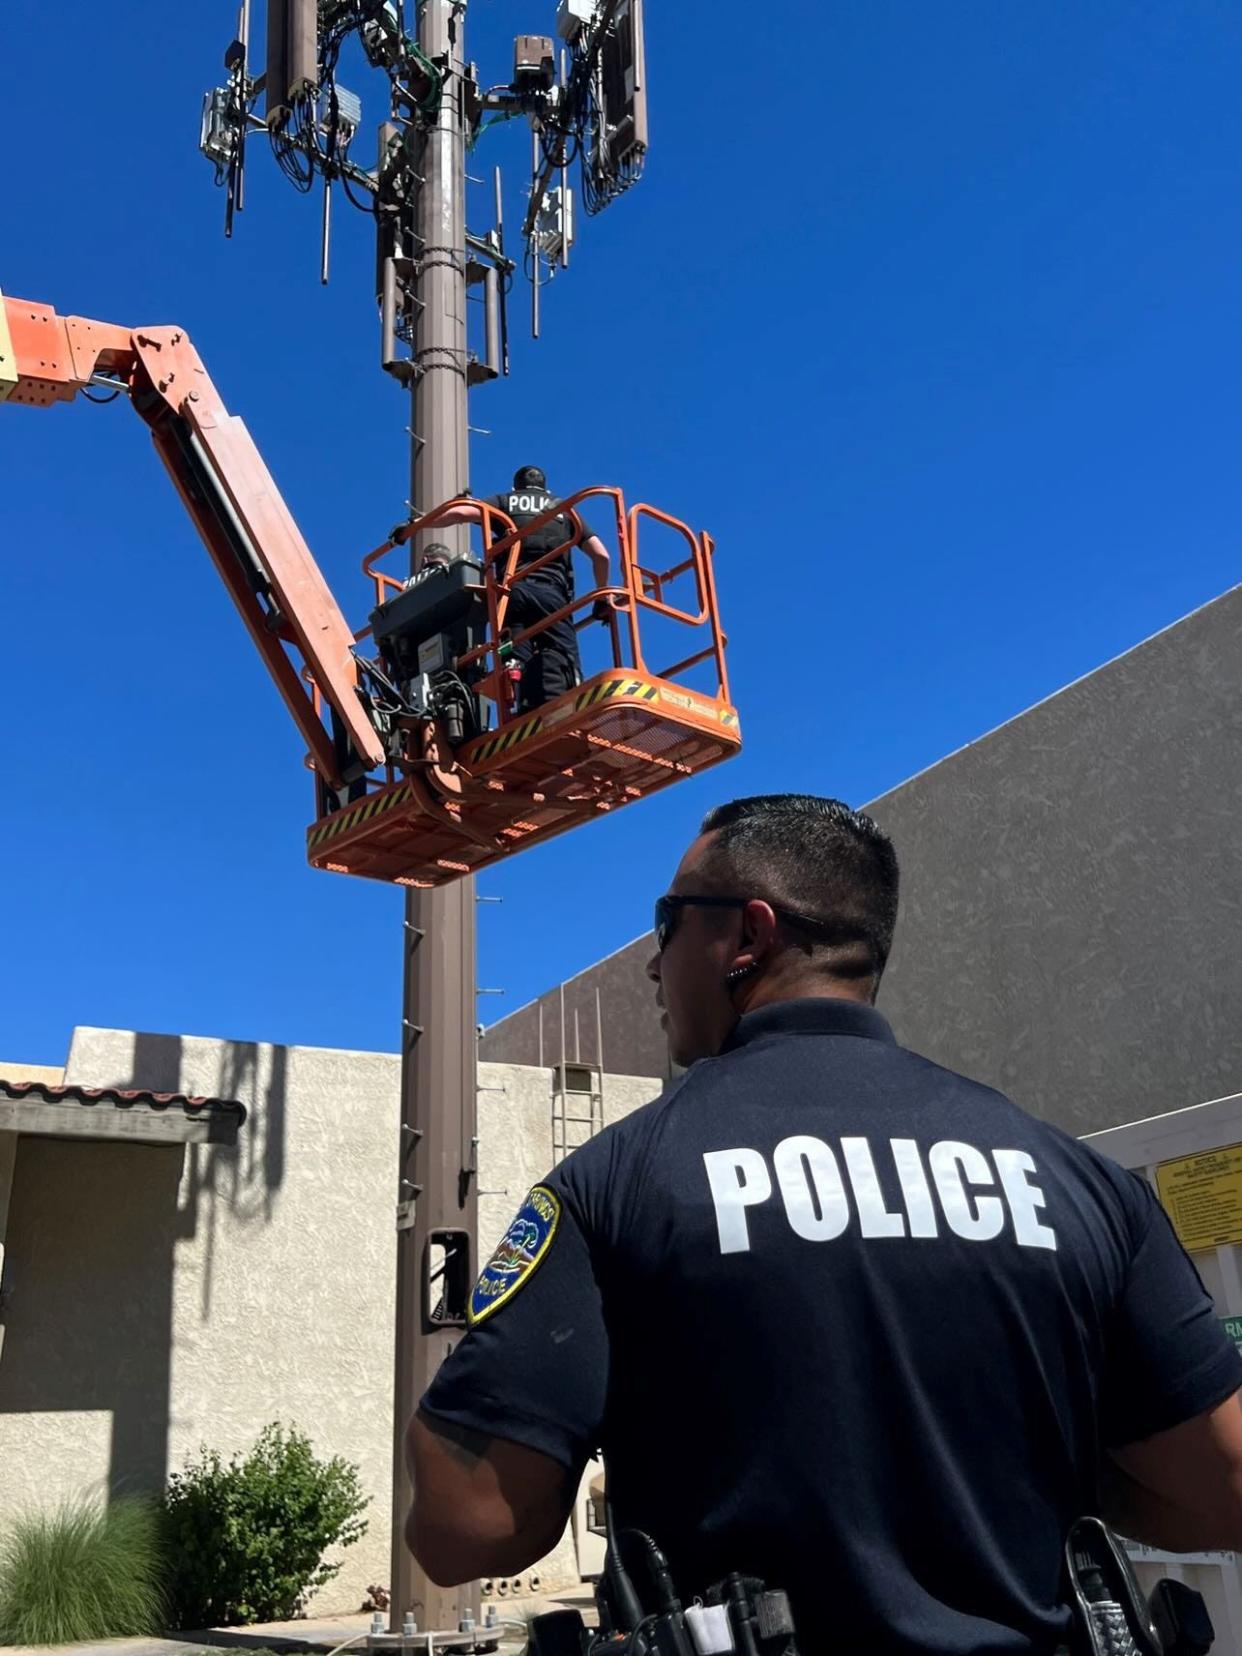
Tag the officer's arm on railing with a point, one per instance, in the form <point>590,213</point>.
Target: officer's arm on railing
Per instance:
<point>467,512</point>
<point>1181,1490</point>
<point>597,552</point>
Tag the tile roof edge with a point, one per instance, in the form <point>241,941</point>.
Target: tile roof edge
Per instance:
<point>121,1097</point>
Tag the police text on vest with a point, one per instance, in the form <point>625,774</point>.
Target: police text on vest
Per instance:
<point>823,1192</point>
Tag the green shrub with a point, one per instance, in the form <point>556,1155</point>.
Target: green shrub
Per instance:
<point>82,1571</point>
<point>246,1538</point>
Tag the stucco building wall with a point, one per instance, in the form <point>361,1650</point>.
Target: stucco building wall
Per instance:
<point>161,1297</point>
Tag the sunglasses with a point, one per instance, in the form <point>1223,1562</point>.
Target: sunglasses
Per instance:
<point>668,911</point>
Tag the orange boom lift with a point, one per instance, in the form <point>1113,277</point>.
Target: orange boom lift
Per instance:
<point>424,769</point>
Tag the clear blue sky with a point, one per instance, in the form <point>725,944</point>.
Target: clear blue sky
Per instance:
<point>930,312</point>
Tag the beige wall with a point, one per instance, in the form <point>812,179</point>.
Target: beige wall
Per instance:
<point>157,1298</point>
<point>51,1075</point>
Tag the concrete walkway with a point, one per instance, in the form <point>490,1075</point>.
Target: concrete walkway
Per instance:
<point>318,1636</point>
<point>310,1635</point>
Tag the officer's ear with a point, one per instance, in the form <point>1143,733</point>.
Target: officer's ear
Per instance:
<point>758,935</point>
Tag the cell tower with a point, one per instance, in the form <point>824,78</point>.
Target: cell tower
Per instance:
<point>586,102</point>
<point>586,105</point>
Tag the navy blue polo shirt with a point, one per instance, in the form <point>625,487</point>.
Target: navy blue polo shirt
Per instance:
<point>849,1322</point>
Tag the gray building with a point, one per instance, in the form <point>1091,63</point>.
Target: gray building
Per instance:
<point>1072,900</point>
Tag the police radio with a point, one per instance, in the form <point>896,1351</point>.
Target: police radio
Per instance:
<point>640,1613</point>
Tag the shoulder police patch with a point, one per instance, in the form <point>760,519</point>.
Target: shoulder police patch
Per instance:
<point>521,1248</point>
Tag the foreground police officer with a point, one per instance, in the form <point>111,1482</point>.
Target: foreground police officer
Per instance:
<point>839,1318</point>
<point>550,661</point>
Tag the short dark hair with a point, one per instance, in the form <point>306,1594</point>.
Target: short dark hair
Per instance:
<point>529,477</point>
<point>818,858</point>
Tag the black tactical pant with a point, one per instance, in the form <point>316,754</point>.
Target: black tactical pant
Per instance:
<point>550,661</point>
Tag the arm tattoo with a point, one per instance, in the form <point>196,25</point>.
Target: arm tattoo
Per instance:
<point>464,1444</point>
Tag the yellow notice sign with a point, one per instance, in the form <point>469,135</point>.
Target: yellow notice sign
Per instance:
<point>1202,1195</point>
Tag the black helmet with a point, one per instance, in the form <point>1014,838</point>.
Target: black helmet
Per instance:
<point>529,477</point>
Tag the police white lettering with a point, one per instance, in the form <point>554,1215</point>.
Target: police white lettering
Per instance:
<point>810,1181</point>
<point>874,1219</point>
<point>952,1164</point>
<point>915,1190</point>
<point>1023,1198</point>
<point>816,1191</point>
<point>739,1179</point>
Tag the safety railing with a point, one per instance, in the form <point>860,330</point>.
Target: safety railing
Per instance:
<point>650,595</point>
<point>638,588</point>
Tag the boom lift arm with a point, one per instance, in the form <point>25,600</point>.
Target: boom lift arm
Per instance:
<point>229,493</point>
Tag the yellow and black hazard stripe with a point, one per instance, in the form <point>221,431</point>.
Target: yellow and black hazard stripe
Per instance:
<point>611,687</point>
<point>364,811</point>
<point>503,740</point>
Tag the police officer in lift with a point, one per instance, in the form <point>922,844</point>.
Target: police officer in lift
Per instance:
<point>550,660</point>
<point>837,1317</point>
